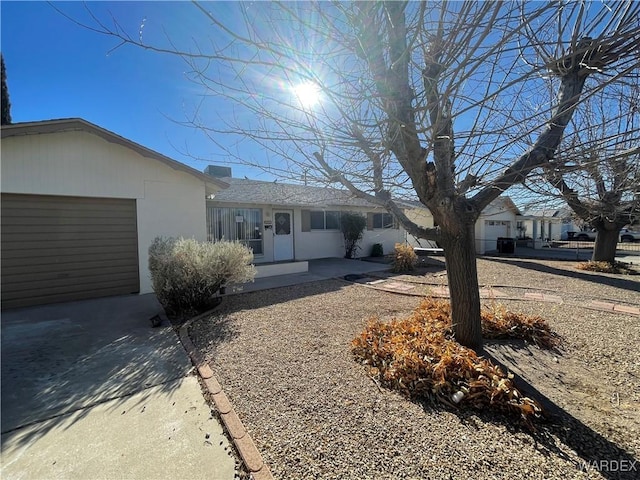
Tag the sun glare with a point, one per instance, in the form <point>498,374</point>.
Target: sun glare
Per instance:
<point>308,94</point>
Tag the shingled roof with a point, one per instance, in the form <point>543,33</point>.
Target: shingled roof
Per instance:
<point>275,193</point>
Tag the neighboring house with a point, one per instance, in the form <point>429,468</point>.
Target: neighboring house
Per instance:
<point>570,224</point>
<point>80,207</point>
<point>285,222</point>
<point>541,226</point>
<point>497,220</point>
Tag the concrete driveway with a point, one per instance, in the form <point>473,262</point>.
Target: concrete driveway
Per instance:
<point>90,390</point>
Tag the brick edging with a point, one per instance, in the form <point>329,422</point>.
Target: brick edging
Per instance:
<point>613,307</point>
<point>233,425</point>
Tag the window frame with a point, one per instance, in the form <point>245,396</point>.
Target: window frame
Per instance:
<point>222,220</point>
<point>324,213</point>
<point>381,225</point>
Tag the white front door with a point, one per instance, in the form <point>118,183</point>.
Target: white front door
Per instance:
<point>282,235</point>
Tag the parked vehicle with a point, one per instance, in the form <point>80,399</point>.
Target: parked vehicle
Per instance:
<point>627,235</point>
<point>586,236</point>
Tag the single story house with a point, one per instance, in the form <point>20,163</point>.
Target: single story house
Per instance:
<point>80,207</point>
<point>497,220</point>
<point>286,222</point>
<point>541,226</point>
<point>570,224</point>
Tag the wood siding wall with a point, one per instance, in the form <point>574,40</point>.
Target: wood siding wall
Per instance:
<point>57,249</point>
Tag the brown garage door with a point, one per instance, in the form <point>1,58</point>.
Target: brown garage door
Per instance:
<point>58,249</point>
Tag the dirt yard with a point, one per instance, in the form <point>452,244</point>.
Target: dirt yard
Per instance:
<point>283,359</point>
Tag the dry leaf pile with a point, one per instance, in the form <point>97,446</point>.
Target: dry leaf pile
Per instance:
<point>606,267</point>
<point>419,356</point>
<point>498,322</point>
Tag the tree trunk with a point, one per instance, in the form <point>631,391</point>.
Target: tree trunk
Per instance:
<point>462,272</point>
<point>604,249</point>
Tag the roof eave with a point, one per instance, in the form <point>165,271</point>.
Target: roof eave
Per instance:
<point>79,124</point>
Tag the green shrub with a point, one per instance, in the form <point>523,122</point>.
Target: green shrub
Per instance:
<point>404,258</point>
<point>377,250</point>
<point>352,226</point>
<point>187,274</point>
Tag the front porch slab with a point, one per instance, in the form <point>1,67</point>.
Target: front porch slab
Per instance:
<point>284,268</point>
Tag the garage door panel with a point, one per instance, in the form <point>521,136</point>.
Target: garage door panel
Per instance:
<point>71,222</point>
<point>17,209</point>
<point>70,242</point>
<point>52,202</point>
<point>497,228</point>
<point>68,297</point>
<point>34,261</point>
<point>61,283</point>
<point>67,248</point>
<point>18,268</point>
<point>69,252</point>
<point>55,229</point>
<point>11,238</point>
<point>53,212</point>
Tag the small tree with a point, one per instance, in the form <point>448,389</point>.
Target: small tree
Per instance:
<point>352,226</point>
<point>6,104</point>
<point>597,169</point>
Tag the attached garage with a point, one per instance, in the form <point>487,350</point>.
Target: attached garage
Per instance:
<point>494,229</point>
<point>57,249</point>
<point>497,220</point>
<point>80,206</point>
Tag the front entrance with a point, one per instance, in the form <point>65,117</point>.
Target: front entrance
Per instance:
<point>282,235</point>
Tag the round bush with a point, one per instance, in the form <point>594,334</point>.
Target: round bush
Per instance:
<point>187,274</point>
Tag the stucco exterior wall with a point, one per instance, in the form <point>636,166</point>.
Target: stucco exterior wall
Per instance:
<point>76,163</point>
<point>330,243</point>
<point>317,243</point>
<point>486,239</point>
<point>423,218</point>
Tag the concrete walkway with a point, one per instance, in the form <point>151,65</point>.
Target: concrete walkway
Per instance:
<point>90,390</point>
<point>321,269</point>
<point>325,268</point>
<point>377,275</point>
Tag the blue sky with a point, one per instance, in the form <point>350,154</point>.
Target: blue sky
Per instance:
<point>56,69</point>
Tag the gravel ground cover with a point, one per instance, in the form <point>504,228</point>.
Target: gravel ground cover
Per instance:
<point>283,359</point>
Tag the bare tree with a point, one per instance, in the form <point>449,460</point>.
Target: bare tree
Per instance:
<point>417,99</point>
<point>597,169</point>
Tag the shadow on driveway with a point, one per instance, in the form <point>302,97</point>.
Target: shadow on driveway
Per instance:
<point>60,358</point>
